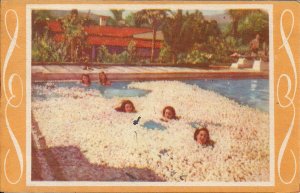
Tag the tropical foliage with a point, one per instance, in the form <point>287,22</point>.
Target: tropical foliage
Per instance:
<point>45,49</point>
<point>189,38</point>
<point>177,34</point>
<point>154,18</point>
<point>130,20</point>
<point>117,19</point>
<point>245,25</point>
<point>192,38</point>
<point>74,35</point>
<point>39,21</point>
<point>257,22</point>
<point>237,15</point>
<point>128,56</point>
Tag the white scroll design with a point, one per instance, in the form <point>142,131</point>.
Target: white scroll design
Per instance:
<point>9,98</point>
<point>289,95</point>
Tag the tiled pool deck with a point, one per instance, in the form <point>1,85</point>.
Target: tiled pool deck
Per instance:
<point>71,72</point>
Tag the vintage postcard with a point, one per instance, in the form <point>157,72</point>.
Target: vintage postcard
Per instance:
<point>150,96</point>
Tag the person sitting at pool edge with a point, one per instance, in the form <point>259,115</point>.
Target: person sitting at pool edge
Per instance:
<point>201,136</point>
<point>169,113</point>
<point>126,107</point>
<point>85,80</point>
<point>103,79</point>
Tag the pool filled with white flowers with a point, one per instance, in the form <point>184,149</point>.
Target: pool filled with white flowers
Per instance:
<point>234,111</point>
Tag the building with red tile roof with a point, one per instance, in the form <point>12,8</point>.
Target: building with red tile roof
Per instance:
<point>116,39</point>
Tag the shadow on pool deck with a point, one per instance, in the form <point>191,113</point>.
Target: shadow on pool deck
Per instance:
<point>67,163</point>
<point>74,166</point>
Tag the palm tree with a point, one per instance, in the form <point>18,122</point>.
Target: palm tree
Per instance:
<point>73,31</point>
<point>237,15</point>
<point>183,30</point>
<point>117,17</point>
<point>154,18</point>
<point>178,33</point>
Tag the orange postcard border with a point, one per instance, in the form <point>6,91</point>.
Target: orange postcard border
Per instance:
<point>283,41</point>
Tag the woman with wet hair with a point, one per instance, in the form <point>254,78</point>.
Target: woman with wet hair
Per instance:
<point>126,107</point>
<point>169,113</point>
<point>201,136</point>
<point>85,80</point>
<point>103,80</point>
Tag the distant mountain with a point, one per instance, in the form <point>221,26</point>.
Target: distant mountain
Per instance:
<point>220,18</point>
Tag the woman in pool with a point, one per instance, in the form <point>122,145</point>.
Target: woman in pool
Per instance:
<point>85,80</point>
<point>169,113</point>
<point>103,79</point>
<point>201,136</point>
<point>126,107</point>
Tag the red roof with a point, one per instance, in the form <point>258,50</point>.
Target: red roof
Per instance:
<point>123,42</point>
<point>115,31</point>
<point>114,41</point>
<point>108,36</point>
<point>55,26</point>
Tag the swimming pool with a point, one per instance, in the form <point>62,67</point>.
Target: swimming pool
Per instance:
<point>251,92</point>
<point>118,89</point>
<point>69,114</point>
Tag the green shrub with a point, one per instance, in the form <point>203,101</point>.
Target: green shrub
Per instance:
<point>197,57</point>
<point>128,56</point>
<point>103,55</point>
<point>45,49</point>
<point>165,55</point>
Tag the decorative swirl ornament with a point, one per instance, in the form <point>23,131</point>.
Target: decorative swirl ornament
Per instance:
<point>9,98</point>
<point>290,98</point>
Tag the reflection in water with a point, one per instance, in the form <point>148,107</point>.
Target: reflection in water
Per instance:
<point>253,85</point>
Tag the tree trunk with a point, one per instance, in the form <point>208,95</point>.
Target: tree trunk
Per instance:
<point>72,50</point>
<point>234,27</point>
<point>265,48</point>
<point>174,58</point>
<point>153,45</point>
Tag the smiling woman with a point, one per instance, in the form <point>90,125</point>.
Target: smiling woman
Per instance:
<point>126,106</point>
